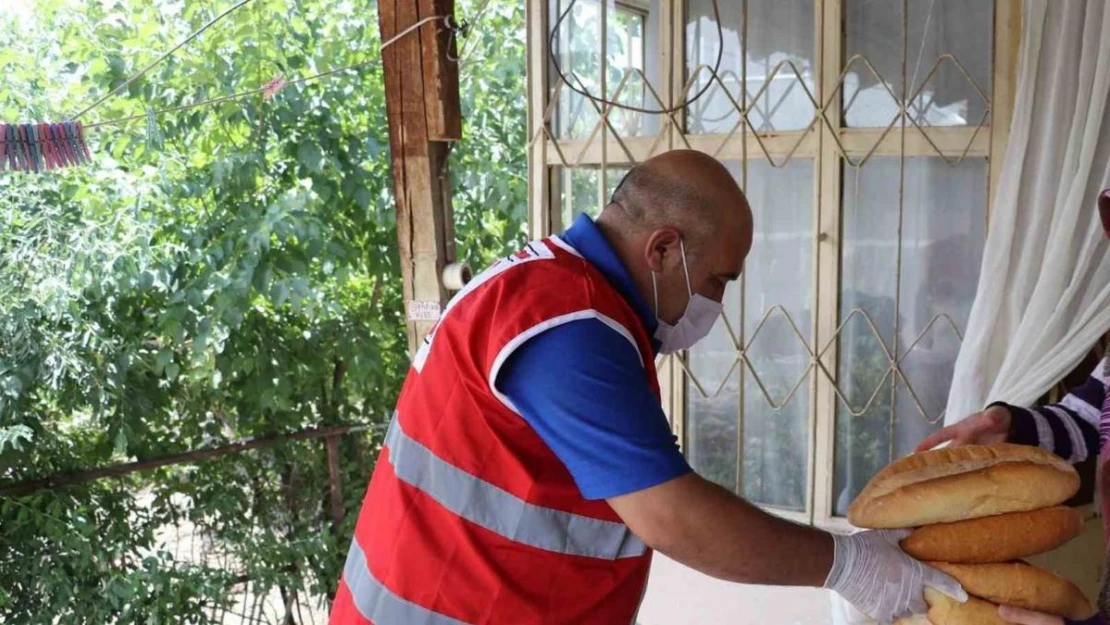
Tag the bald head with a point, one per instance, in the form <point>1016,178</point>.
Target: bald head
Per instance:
<point>687,190</point>
<point>680,224</point>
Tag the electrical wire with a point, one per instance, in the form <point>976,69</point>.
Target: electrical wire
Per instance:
<point>582,92</point>
<point>448,22</point>
<point>228,98</point>
<point>165,56</point>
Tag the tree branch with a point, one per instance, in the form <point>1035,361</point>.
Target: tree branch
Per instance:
<point>192,457</point>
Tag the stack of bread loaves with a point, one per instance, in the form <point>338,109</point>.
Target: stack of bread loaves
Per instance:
<point>975,512</point>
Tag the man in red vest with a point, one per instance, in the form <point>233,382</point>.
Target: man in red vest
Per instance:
<point>529,470</point>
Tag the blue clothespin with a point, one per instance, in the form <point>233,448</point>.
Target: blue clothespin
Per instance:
<point>71,138</point>
<point>33,143</point>
<point>36,148</point>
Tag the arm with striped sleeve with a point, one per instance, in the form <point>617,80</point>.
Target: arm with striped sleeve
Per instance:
<point>1070,428</point>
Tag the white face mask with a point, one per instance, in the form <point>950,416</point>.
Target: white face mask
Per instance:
<point>696,322</point>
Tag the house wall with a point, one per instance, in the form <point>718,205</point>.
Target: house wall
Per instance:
<point>678,595</point>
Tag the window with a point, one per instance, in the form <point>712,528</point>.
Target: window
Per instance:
<point>863,135</point>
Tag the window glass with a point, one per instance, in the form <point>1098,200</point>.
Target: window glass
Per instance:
<point>904,300</point>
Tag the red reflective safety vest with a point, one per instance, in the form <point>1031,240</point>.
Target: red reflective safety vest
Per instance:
<point>469,517</point>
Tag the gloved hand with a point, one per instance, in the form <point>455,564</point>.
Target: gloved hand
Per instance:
<point>872,572</point>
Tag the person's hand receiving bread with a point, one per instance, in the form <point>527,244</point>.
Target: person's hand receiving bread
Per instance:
<point>983,428</point>
<point>989,427</point>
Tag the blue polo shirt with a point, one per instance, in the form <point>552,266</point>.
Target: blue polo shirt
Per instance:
<point>582,388</point>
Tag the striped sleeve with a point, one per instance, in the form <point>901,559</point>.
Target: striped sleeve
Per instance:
<point>1069,429</point>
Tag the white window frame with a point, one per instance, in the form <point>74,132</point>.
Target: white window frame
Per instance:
<point>819,143</point>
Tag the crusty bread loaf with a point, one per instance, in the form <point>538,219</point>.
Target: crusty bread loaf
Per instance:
<point>998,538</point>
<point>1021,585</point>
<point>945,485</point>
<point>946,611</point>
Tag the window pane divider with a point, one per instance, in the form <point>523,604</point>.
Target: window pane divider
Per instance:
<point>827,264</point>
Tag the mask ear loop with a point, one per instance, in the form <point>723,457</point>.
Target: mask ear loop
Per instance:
<point>655,291</point>
<point>685,269</point>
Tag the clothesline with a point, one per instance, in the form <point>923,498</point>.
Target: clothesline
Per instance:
<point>228,98</point>
<point>40,147</point>
<point>448,21</point>
<point>165,56</point>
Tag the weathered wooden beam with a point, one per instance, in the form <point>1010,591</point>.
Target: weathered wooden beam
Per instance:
<point>442,107</point>
<point>422,104</point>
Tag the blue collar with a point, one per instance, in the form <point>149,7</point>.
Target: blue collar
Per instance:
<point>587,238</point>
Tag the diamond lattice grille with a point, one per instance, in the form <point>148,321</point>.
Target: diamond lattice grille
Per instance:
<point>887,125</point>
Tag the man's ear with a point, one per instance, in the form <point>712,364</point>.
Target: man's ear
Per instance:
<point>663,250</point>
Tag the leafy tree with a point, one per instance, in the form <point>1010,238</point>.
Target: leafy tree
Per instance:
<point>227,272</point>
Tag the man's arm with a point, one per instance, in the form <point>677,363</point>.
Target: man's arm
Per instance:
<point>706,527</point>
<point>583,389</point>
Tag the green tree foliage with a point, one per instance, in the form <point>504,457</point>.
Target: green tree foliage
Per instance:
<point>228,272</point>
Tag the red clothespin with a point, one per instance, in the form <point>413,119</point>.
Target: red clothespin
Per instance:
<point>48,157</point>
<point>55,148</point>
<point>63,145</point>
<point>24,150</point>
<point>60,145</point>
<point>270,89</point>
<point>56,144</point>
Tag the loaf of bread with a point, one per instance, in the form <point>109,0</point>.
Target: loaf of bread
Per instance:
<point>945,485</point>
<point>1021,585</point>
<point>944,610</point>
<point>998,538</point>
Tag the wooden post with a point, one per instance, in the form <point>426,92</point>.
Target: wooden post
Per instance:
<point>422,105</point>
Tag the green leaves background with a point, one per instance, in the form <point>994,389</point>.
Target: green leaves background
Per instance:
<point>232,274</point>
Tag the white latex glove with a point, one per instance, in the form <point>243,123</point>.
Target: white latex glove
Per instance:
<point>872,573</point>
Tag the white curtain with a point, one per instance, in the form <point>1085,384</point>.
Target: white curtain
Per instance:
<point>1044,289</point>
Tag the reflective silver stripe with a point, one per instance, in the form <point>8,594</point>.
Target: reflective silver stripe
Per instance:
<point>503,513</point>
<point>377,603</point>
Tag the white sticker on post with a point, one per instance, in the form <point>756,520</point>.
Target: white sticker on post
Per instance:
<point>423,310</point>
